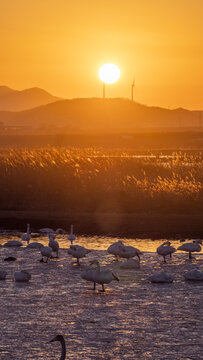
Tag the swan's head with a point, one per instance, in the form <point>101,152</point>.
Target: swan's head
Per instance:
<point>58,338</point>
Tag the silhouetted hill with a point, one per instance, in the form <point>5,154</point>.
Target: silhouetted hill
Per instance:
<point>14,100</point>
<point>102,116</point>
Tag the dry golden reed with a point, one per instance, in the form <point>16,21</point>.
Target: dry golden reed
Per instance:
<point>91,180</point>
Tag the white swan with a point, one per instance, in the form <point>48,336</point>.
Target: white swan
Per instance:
<point>116,248</point>
<point>71,236</point>
<point>191,247</point>
<point>46,252</point>
<point>78,252</point>
<point>26,236</point>
<point>35,245</point>
<point>46,231</point>
<point>98,276</point>
<point>13,243</point>
<point>130,264</point>
<point>54,244</point>
<point>161,277</point>
<point>3,274</point>
<point>194,275</point>
<point>60,338</point>
<point>165,249</point>
<point>129,252</point>
<point>22,276</point>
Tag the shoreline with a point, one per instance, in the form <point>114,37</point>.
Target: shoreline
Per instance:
<point>154,226</point>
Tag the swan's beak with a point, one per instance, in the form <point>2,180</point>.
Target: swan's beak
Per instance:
<point>54,339</point>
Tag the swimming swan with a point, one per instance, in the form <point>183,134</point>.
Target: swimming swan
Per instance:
<point>78,252</point>
<point>26,236</point>
<point>165,249</point>
<point>60,338</point>
<point>191,247</point>
<point>98,276</point>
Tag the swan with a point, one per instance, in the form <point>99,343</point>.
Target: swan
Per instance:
<point>116,248</point>
<point>165,249</point>
<point>35,245</point>
<point>191,247</point>
<point>14,243</point>
<point>46,231</point>
<point>54,244</point>
<point>130,264</point>
<point>161,277</point>
<point>194,275</point>
<point>60,338</point>
<point>78,252</point>
<point>128,252</point>
<point>71,236</point>
<point>22,276</point>
<point>45,252</point>
<point>26,236</point>
<point>98,276</point>
<point>3,274</point>
<point>60,231</point>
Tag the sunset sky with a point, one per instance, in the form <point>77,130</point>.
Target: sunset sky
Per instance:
<point>59,45</point>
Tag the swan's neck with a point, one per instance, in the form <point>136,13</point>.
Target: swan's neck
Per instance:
<point>28,229</point>
<point>98,265</point>
<point>63,350</point>
<point>71,229</point>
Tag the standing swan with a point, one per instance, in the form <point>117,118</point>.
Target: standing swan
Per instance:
<point>60,338</point>
<point>165,249</point>
<point>99,276</point>
<point>71,236</point>
<point>191,247</point>
<point>26,236</point>
<point>54,245</point>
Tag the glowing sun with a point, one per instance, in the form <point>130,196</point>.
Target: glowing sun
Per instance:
<point>109,73</point>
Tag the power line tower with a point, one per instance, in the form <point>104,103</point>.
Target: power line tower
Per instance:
<point>132,89</point>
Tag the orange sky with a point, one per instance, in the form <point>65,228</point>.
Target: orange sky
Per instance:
<point>59,45</point>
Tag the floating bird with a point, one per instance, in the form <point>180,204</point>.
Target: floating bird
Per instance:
<point>129,252</point>
<point>60,338</point>
<point>165,249</point>
<point>78,252</point>
<point>54,244</point>
<point>26,236</point>
<point>3,274</point>
<point>191,247</point>
<point>46,252</point>
<point>22,276</point>
<point>115,248</point>
<point>71,236</point>
<point>194,275</point>
<point>98,276</point>
<point>13,243</point>
<point>10,258</point>
<point>161,277</point>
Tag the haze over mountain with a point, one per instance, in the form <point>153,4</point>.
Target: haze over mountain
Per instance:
<point>98,115</point>
<point>16,100</point>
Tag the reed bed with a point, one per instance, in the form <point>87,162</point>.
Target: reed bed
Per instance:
<point>98,180</point>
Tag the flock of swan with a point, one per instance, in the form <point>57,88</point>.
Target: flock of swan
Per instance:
<point>94,273</point>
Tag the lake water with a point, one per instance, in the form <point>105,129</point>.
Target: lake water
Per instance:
<point>133,319</point>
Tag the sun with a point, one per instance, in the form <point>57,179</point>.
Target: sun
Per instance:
<point>109,73</point>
